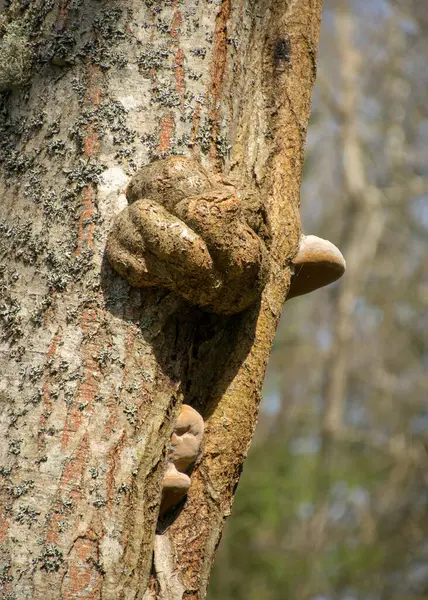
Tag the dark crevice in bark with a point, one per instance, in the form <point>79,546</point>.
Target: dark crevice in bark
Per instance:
<point>201,351</point>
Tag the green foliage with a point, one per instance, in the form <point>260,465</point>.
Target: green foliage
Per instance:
<point>309,524</point>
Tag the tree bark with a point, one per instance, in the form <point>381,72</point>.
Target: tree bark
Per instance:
<point>94,371</point>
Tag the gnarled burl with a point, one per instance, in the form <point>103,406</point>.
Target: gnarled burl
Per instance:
<point>195,234</point>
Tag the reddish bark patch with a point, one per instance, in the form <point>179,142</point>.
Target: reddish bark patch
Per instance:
<point>73,472</point>
<point>86,230</point>
<point>53,533</point>
<point>91,148</point>
<point>195,127</point>
<point>129,347</point>
<point>175,25</point>
<point>111,421</point>
<point>83,579</point>
<point>91,144</point>
<point>88,388</point>
<point>218,68</point>
<point>113,467</point>
<point>94,92</point>
<point>72,425</point>
<point>70,486</point>
<point>219,50</point>
<point>167,129</point>
<point>179,71</point>
<point>4,527</point>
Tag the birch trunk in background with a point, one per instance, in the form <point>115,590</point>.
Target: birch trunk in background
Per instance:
<point>94,372</point>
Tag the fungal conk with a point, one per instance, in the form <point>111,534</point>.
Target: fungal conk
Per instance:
<point>193,234</point>
<point>185,445</point>
<point>318,262</point>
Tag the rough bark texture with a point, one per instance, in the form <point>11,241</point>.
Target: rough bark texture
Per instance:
<point>94,372</point>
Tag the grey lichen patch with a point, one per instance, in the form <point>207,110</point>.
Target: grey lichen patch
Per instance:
<point>223,145</point>
<point>22,41</point>
<point>108,118</point>
<point>15,415</point>
<point>193,235</point>
<point>103,357</point>
<point>84,173</point>
<point>200,52</point>
<point>51,559</point>
<point>75,4</point>
<point>15,446</point>
<point>130,411</point>
<point>20,489</point>
<point>99,503</point>
<point>18,239</point>
<point>56,147</point>
<point>6,574</point>
<point>36,397</point>
<point>15,163</point>
<point>109,32</point>
<point>60,48</point>
<point>35,373</point>
<point>35,122</point>
<point>79,85</point>
<point>165,95</point>
<point>26,515</point>
<point>54,127</point>
<point>152,57</point>
<point>157,5</point>
<point>58,265</point>
<point>16,56</point>
<point>179,144</point>
<point>204,137</point>
<point>10,318</point>
<point>150,141</point>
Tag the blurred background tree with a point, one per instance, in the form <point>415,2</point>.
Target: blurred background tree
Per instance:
<point>333,502</point>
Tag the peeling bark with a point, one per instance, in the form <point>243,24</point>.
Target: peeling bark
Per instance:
<point>94,371</point>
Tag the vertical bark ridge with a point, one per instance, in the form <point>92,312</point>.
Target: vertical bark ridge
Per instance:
<point>219,65</point>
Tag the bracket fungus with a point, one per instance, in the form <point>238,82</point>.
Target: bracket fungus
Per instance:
<point>193,234</point>
<point>318,263</point>
<point>186,442</point>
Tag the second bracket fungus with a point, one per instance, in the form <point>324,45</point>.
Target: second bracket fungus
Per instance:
<point>185,446</point>
<point>318,262</point>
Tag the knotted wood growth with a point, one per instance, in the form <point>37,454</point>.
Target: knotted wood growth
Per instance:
<point>198,236</point>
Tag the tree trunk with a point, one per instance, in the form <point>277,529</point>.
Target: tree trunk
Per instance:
<point>95,371</point>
